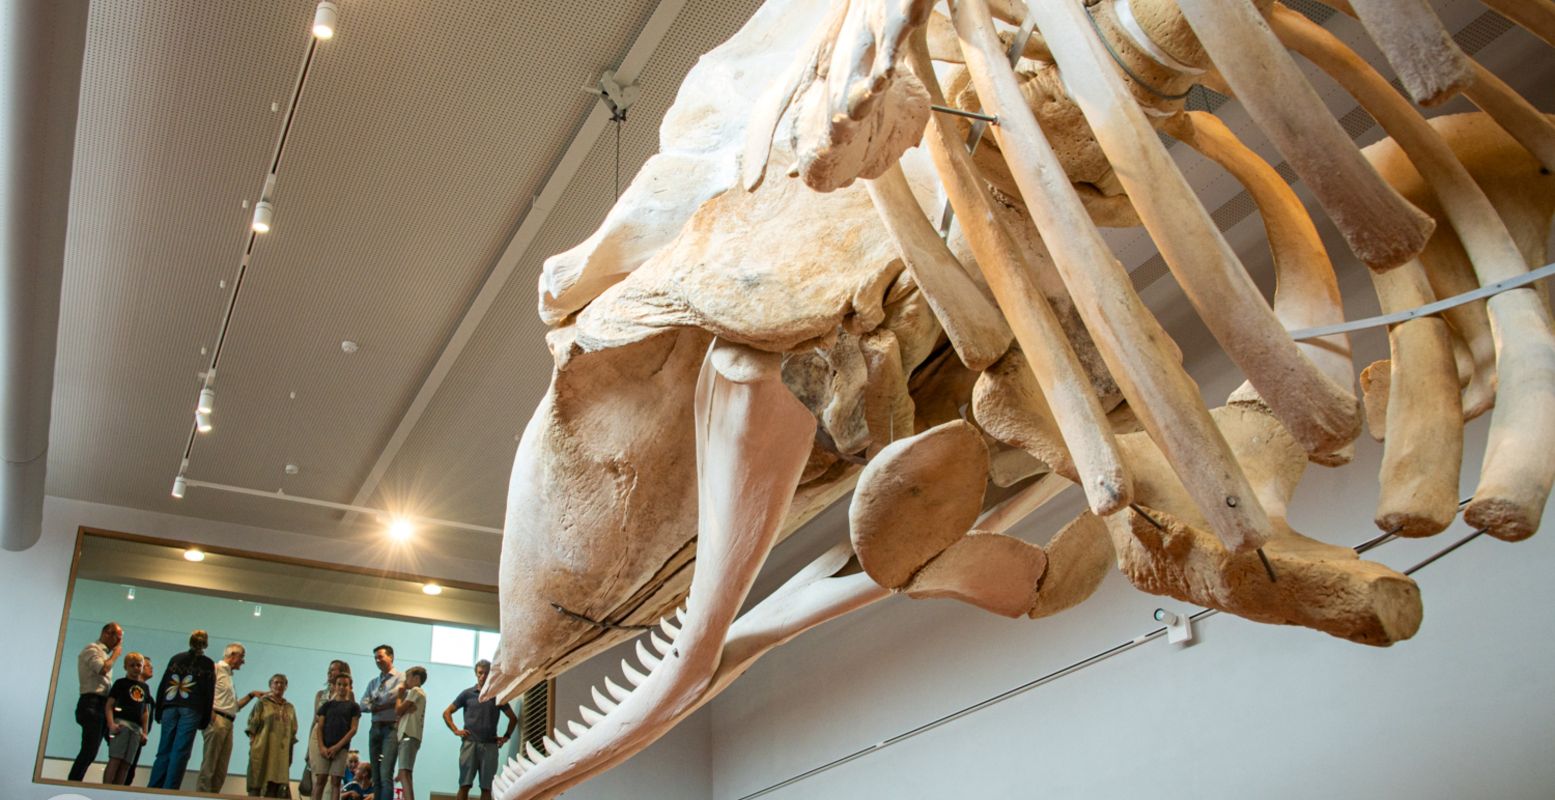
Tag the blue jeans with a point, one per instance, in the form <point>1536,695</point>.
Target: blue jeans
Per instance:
<point>383,748</point>
<point>178,727</point>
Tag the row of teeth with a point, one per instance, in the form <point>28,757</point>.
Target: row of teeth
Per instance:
<point>529,756</point>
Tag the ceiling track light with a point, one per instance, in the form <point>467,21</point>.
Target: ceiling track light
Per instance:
<point>130,595</point>
<point>264,216</point>
<point>207,400</point>
<point>325,18</point>
<point>180,485</point>
<point>257,609</point>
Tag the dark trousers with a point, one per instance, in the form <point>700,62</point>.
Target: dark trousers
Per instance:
<point>94,726</point>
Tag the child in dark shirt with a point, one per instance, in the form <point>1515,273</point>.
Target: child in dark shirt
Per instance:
<point>334,727</point>
<point>127,710</point>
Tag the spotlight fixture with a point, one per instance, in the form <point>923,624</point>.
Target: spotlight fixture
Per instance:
<point>180,485</point>
<point>207,400</point>
<point>130,595</point>
<point>431,589</point>
<point>264,216</point>
<point>194,554</point>
<point>257,609</point>
<point>202,421</point>
<point>324,19</point>
<point>401,529</point>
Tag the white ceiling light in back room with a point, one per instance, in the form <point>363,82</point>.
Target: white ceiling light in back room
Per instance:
<point>349,347</point>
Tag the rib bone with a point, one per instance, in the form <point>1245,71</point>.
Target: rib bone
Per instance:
<point>1129,339</point>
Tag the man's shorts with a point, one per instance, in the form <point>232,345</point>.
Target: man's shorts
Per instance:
<point>125,745</point>
<point>408,748</point>
<point>477,757</point>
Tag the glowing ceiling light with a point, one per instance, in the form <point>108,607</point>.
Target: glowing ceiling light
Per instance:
<point>130,595</point>
<point>207,400</point>
<point>401,529</point>
<point>257,609</point>
<point>202,422</point>
<point>264,216</point>
<point>324,19</point>
<point>431,589</point>
<point>194,554</point>
<point>180,485</point>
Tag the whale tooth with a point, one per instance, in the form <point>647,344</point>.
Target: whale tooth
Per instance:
<point>659,644</point>
<point>590,716</point>
<point>605,704</point>
<point>551,745</point>
<point>616,692</point>
<point>644,655</point>
<point>680,616</point>
<point>669,628</point>
<point>577,728</point>
<point>534,755</point>
<point>562,739</point>
<point>633,677</point>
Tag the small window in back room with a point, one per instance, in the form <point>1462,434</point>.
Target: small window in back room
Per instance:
<point>486,648</point>
<point>453,645</point>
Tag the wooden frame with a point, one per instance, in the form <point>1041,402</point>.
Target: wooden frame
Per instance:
<point>84,531</point>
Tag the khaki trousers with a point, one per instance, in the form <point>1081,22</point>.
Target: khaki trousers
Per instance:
<point>218,753</point>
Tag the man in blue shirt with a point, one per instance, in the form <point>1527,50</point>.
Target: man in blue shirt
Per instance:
<point>379,702</point>
<point>478,752</point>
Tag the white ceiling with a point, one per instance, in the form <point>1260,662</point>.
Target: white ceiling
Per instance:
<point>424,131</point>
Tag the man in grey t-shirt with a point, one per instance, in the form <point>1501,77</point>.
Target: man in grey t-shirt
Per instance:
<point>478,752</point>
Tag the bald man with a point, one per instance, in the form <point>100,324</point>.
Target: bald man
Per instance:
<point>94,668</point>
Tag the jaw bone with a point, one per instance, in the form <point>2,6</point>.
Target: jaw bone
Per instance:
<point>752,439</point>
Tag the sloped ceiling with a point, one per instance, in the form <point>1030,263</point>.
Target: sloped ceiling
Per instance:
<point>424,133</point>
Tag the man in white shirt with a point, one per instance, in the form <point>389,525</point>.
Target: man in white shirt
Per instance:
<point>224,710</point>
<point>94,668</point>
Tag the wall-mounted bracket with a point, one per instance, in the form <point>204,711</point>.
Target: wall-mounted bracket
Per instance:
<point>1179,628</point>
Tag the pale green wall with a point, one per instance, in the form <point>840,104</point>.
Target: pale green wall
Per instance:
<point>297,642</point>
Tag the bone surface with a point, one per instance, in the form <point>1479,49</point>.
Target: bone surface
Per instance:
<point>915,499</point>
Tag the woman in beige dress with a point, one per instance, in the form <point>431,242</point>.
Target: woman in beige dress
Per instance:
<point>272,730</point>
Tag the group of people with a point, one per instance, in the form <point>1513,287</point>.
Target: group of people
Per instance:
<point>196,694</point>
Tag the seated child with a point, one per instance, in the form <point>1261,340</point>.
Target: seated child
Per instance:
<point>362,787</point>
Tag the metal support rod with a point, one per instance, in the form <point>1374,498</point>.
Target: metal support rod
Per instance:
<point>609,626</point>
<point>991,119</point>
<point>1429,309</point>
<point>429,521</point>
